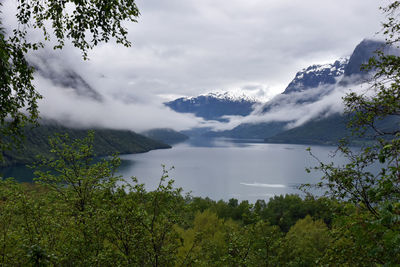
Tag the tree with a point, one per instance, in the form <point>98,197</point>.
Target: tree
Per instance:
<point>370,179</point>
<point>377,109</point>
<point>142,225</point>
<point>82,187</point>
<point>84,23</point>
<point>306,242</point>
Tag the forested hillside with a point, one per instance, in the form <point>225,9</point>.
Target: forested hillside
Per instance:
<point>107,142</point>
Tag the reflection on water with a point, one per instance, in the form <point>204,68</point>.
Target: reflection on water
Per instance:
<point>220,142</point>
<point>21,173</point>
<point>221,168</point>
<point>226,168</point>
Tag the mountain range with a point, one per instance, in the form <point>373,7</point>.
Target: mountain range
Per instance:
<point>309,89</point>
<point>309,86</point>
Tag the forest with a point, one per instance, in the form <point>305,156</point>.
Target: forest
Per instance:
<point>78,213</point>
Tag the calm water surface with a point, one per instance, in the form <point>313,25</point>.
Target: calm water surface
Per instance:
<point>223,168</point>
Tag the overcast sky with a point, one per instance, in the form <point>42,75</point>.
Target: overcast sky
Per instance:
<point>190,47</point>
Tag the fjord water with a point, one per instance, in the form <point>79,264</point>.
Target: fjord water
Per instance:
<point>221,168</point>
<point>224,169</point>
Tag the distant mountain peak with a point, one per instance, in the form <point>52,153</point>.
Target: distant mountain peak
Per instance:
<point>230,96</point>
<point>366,49</point>
<point>214,105</point>
<point>316,75</point>
<point>362,53</point>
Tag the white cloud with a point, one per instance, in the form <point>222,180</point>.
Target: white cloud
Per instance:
<point>293,108</point>
<point>188,47</point>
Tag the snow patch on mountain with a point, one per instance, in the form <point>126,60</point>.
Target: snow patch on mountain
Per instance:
<point>317,75</point>
<point>233,96</point>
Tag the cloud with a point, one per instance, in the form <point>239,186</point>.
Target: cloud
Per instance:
<point>110,107</point>
<point>296,108</point>
<point>65,106</point>
<point>192,47</point>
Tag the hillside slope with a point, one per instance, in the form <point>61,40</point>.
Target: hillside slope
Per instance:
<point>106,142</point>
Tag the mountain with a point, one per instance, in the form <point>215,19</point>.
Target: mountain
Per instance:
<point>167,136</point>
<point>317,75</point>
<point>361,54</point>
<point>310,85</point>
<point>322,131</point>
<point>330,130</point>
<point>60,75</point>
<point>353,72</point>
<point>214,106</point>
<point>106,142</point>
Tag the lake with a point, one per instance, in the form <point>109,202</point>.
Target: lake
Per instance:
<point>225,168</point>
<point>222,168</point>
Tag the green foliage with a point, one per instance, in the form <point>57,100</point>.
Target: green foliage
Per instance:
<point>306,242</point>
<point>77,214</point>
<point>72,173</point>
<point>285,211</point>
<point>216,242</point>
<point>204,243</point>
<point>16,91</point>
<point>358,240</point>
<point>369,228</point>
<point>85,23</point>
<point>143,224</point>
<point>81,214</point>
<point>266,241</point>
<point>355,180</point>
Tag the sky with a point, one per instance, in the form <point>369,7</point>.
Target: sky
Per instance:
<point>191,47</point>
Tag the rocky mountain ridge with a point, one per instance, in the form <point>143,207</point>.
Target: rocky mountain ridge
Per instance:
<point>309,90</point>
<point>317,75</point>
<point>214,106</point>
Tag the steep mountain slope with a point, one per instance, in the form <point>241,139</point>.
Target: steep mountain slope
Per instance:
<point>60,75</point>
<point>310,85</point>
<point>106,142</point>
<point>323,131</point>
<point>329,130</point>
<point>213,106</point>
<point>317,75</point>
<point>353,72</point>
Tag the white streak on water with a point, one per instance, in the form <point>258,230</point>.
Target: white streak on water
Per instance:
<point>264,185</point>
